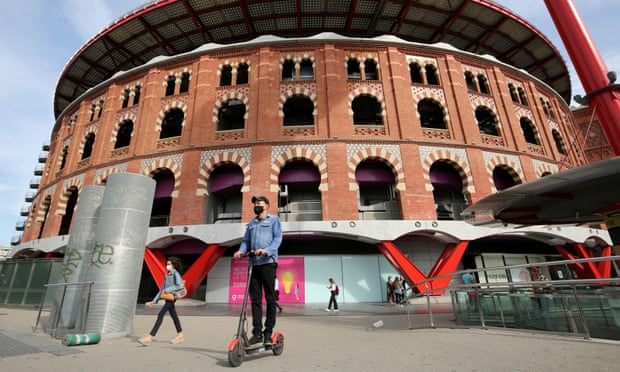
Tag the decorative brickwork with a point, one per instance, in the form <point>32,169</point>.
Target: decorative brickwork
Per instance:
<point>173,163</point>
<point>456,157</point>
<point>210,160</point>
<point>282,155</point>
<point>388,154</point>
<point>77,182</point>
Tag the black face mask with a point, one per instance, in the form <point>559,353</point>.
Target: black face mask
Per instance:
<point>258,209</point>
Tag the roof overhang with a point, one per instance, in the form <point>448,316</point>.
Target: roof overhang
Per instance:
<point>172,27</point>
<point>576,196</point>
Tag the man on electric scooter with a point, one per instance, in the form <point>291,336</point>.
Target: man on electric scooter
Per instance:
<point>262,237</point>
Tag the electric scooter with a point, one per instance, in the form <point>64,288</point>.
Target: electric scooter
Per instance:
<point>239,346</point>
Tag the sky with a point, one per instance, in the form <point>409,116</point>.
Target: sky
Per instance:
<point>38,38</point>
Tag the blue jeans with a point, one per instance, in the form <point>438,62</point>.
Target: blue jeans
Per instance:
<point>168,307</point>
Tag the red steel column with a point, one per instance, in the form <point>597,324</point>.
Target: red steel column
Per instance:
<point>589,64</point>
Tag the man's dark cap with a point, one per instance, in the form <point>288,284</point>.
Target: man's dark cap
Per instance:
<point>259,198</point>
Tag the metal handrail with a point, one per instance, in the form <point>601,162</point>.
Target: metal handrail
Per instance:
<point>494,288</point>
<point>62,300</point>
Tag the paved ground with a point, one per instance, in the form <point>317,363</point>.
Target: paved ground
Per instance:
<point>314,340</point>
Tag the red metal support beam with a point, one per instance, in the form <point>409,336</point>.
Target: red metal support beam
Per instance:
<point>195,274</point>
<point>590,67</point>
<point>403,264</point>
<point>447,263</point>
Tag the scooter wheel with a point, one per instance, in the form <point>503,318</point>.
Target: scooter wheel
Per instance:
<point>278,346</point>
<point>235,355</point>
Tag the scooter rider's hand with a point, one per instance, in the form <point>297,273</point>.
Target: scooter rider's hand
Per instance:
<point>260,252</point>
<point>238,255</point>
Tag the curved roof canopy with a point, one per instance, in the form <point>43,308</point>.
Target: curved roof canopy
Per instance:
<point>170,27</point>
<point>575,196</point>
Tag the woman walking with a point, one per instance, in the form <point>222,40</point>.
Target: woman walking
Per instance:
<point>172,282</point>
<point>333,289</point>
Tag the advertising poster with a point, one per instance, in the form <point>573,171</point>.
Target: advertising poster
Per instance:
<point>290,276</point>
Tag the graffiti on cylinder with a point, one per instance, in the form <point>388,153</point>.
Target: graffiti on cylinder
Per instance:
<point>102,255</point>
<point>72,262</point>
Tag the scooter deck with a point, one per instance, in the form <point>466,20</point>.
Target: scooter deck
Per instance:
<point>256,348</point>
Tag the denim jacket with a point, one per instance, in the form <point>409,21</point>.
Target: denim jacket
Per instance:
<point>172,282</point>
<point>263,234</point>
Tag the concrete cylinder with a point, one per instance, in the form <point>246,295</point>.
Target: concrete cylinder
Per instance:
<point>77,256</point>
<point>116,260</point>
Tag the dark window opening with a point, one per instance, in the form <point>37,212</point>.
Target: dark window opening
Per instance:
<point>529,132</point>
<point>93,108</point>
<point>431,114</point>
<point>243,74</point>
<point>65,223</point>
<point>306,71</point>
<point>378,197</point>
<point>162,202</point>
<point>136,96</point>
<point>366,111</point>
<point>450,201</point>
<point>46,209</point>
<point>513,93</point>
<point>469,80</point>
<point>126,94</point>
<point>559,142</point>
<point>298,111</point>
<point>415,72</point>
<point>88,146</point>
<point>370,70</point>
<point>123,137</point>
<point>288,70</point>
<point>486,121</point>
<point>353,69</point>
<point>299,198</point>
<point>522,96</point>
<point>431,75</point>
<point>172,125</point>
<point>231,115</point>
<point>503,179</point>
<point>100,109</point>
<point>63,157</point>
<point>483,84</point>
<point>170,85</point>
<point>184,82</point>
<point>226,76</point>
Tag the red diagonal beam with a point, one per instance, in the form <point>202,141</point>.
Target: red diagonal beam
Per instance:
<point>402,263</point>
<point>199,269</point>
<point>604,267</point>
<point>447,263</point>
<point>156,262</point>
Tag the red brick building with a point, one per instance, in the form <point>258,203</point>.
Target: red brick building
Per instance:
<point>368,146</point>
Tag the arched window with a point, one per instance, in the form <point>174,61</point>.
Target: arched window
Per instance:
<point>431,75</point>
<point>126,94</point>
<point>45,208</point>
<point>504,177</point>
<point>136,96</point>
<point>172,125</point>
<point>366,111</point>
<point>529,131</point>
<point>170,85</point>
<point>431,114</point>
<point>298,110</point>
<point>299,198</point>
<point>483,84</point>
<point>231,115</point>
<point>486,121</point>
<point>63,157</point>
<point>162,202</point>
<point>469,80</point>
<point>522,96</point>
<point>513,93</point>
<point>370,69</point>
<point>559,142</point>
<point>88,145</point>
<point>288,70</point>
<point>243,74</point>
<point>123,137</point>
<point>415,73</point>
<point>184,82</point>
<point>224,202</point>
<point>378,196</point>
<point>226,76</point>
<point>65,223</point>
<point>353,69</point>
<point>306,71</point>
<point>450,201</point>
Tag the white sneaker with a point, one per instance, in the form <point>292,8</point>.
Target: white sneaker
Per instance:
<point>328,310</point>
<point>335,310</point>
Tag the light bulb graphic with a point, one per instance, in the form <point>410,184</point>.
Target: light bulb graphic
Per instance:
<point>287,280</point>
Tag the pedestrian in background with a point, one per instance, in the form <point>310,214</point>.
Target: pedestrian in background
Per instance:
<point>333,288</point>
